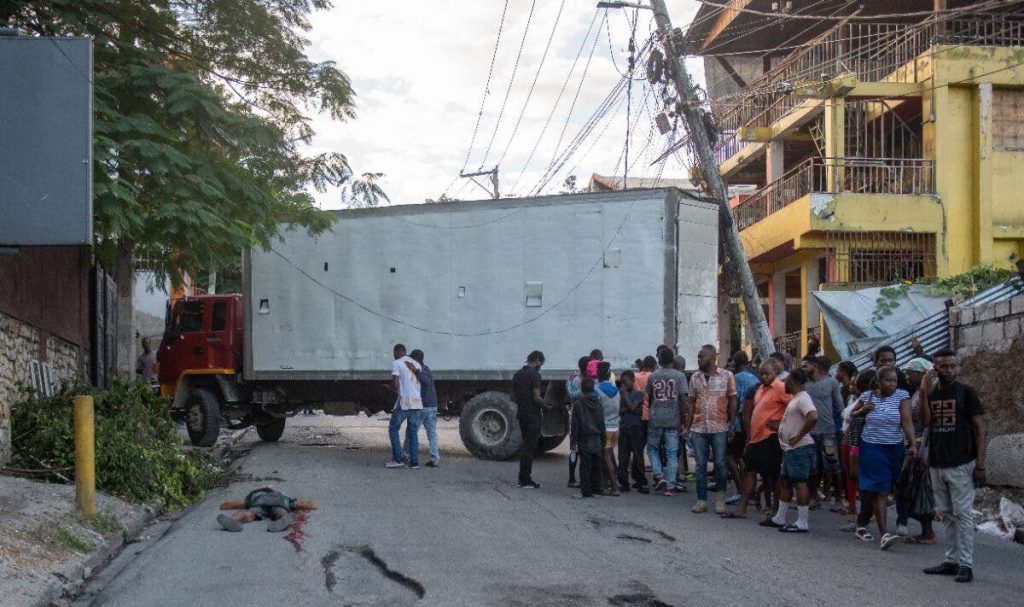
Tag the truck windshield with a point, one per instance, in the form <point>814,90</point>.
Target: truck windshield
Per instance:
<point>189,317</point>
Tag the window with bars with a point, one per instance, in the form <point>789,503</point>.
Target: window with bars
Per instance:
<point>880,257</point>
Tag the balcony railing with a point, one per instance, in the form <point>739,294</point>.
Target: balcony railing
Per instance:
<point>871,51</point>
<point>853,175</point>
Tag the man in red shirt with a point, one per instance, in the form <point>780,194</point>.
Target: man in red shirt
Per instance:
<point>763,454</point>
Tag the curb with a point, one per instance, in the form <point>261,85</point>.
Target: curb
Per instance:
<point>71,581</point>
<point>76,576</point>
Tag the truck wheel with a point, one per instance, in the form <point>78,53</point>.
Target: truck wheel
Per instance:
<point>271,428</point>
<point>547,443</point>
<point>202,417</point>
<point>489,428</point>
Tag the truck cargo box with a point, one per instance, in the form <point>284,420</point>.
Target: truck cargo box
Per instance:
<point>478,285</point>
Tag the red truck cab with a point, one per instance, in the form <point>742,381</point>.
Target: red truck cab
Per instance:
<point>203,336</point>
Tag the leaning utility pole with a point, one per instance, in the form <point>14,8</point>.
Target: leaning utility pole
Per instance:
<point>694,115</point>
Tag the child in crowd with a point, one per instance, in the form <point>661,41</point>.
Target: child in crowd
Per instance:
<point>631,435</point>
<point>587,433</point>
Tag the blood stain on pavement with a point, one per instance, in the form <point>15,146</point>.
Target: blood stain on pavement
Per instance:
<point>297,533</point>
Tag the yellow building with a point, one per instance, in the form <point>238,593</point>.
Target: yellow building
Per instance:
<point>886,144</point>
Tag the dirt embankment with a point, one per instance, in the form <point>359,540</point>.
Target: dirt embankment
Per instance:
<point>999,379</point>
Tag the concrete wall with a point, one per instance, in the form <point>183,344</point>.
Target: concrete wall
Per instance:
<point>991,327</point>
<point>20,344</point>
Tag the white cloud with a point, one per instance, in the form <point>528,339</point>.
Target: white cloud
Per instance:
<point>418,69</point>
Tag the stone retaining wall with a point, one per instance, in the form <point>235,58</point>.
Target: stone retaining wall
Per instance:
<point>20,344</point>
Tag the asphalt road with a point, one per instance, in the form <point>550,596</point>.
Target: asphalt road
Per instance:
<point>464,534</point>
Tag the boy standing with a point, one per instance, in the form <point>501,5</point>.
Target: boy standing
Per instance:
<point>631,444</point>
<point>587,433</point>
<point>798,455</point>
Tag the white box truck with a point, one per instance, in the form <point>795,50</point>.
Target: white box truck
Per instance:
<point>475,285</point>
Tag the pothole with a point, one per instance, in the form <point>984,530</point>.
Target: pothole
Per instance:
<point>630,531</point>
<point>359,577</point>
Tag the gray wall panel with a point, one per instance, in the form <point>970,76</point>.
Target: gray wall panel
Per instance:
<point>492,249</point>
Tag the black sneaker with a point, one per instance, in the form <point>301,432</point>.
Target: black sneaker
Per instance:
<point>964,575</point>
<point>946,568</point>
<point>643,489</point>
<point>432,464</point>
<point>529,485</point>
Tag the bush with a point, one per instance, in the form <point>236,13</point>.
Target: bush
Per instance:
<point>139,452</point>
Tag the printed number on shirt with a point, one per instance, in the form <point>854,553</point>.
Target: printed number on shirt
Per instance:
<point>664,389</point>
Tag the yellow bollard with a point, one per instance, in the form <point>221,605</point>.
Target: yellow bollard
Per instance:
<point>85,456</point>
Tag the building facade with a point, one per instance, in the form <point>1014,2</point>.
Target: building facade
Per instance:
<point>885,143</point>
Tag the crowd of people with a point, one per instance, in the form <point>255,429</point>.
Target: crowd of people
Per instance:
<point>813,435</point>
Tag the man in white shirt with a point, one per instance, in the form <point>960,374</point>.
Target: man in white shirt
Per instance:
<point>408,408</point>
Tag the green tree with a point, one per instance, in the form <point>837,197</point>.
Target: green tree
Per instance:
<point>363,193</point>
<point>201,124</point>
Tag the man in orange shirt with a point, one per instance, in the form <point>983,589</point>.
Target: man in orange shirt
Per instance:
<point>713,407</point>
<point>763,454</point>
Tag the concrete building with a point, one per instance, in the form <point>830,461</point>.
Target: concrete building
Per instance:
<point>885,140</point>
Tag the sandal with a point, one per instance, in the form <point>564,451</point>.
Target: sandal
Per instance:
<point>888,540</point>
<point>792,528</point>
<point>864,535</point>
<point>732,515</point>
<point>916,539</point>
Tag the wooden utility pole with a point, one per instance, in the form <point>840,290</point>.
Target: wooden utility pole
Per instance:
<point>694,115</point>
<point>495,192</point>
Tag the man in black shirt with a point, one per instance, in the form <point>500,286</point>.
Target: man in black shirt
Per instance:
<point>956,457</point>
<point>529,403</point>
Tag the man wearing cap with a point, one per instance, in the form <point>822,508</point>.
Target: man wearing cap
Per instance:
<point>915,371</point>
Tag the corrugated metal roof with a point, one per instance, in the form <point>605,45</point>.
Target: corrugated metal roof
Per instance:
<point>933,332</point>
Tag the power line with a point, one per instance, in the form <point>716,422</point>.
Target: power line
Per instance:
<point>572,106</point>
<point>487,88</point>
<point>511,81</point>
<point>554,107</point>
<point>536,77</point>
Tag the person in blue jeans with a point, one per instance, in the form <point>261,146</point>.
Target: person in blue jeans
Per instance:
<point>712,412</point>
<point>408,408</point>
<point>666,391</point>
<point>429,418</point>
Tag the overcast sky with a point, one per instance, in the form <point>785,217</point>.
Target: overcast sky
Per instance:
<point>419,68</point>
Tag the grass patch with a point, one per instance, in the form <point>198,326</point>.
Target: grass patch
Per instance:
<point>65,536</point>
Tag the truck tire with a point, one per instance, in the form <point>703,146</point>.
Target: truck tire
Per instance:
<point>270,429</point>
<point>489,428</point>
<point>547,443</point>
<point>202,417</point>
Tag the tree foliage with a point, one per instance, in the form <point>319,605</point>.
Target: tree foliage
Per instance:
<point>201,122</point>
<point>363,193</point>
